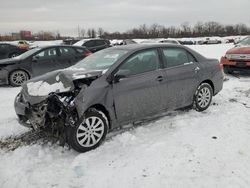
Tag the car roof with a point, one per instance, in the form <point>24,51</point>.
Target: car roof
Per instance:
<point>137,47</point>
<point>52,46</point>
<point>143,46</point>
<point>8,44</point>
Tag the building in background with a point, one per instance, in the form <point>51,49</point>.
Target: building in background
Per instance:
<point>26,35</point>
<point>16,36</point>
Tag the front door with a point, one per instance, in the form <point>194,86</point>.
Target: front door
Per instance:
<point>45,61</point>
<point>139,93</point>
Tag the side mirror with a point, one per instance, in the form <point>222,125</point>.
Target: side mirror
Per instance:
<point>35,58</point>
<point>121,74</point>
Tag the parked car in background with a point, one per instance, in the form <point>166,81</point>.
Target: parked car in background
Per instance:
<point>187,41</point>
<point>23,45</point>
<point>70,41</point>
<point>127,42</point>
<point>213,40</point>
<point>150,41</point>
<point>38,61</point>
<point>93,45</point>
<point>10,50</point>
<point>237,58</point>
<point>170,41</point>
<point>243,42</point>
<point>117,86</point>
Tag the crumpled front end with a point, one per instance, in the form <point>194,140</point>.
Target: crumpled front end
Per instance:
<point>53,114</point>
<point>38,107</point>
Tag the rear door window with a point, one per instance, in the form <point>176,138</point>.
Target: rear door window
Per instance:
<point>80,50</point>
<point>47,54</point>
<point>176,57</point>
<point>67,51</point>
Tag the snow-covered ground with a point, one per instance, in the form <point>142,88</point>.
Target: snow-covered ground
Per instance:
<point>37,43</point>
<point>183,149</point>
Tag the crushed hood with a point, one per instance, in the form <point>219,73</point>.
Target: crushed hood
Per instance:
<point>239,50</point>
<point>57,81</point>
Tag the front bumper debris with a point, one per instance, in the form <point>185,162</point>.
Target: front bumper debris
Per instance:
<point>53,115</point>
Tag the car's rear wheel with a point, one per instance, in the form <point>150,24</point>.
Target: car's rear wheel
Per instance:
<point>203,97</point>
<point>90,133</point>
<point>18,77</point>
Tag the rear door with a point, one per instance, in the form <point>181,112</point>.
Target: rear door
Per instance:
<point>68,56</point>
<point>181,73</point>
<point>139,93</point>
<point>81,53</point>
<point>45,61</point>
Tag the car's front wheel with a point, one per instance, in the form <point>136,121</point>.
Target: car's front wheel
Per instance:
<point>18,77</point>
<point>89,133</point>
<point>203,97</point>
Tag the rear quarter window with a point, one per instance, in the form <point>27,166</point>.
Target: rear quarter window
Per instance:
<point>66,51</point>
<point>80,50</point>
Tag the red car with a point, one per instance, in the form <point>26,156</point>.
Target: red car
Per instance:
<point>237,58</point>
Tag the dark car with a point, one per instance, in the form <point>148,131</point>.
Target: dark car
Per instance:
<point>10,50</point>
<point>38,61</point>
<point>117,86</point>
<point>94,45</point>
<point>70,41</point>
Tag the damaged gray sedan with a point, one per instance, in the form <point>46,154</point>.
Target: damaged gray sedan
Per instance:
<point>114,87</point>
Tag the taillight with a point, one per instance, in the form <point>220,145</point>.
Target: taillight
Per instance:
<point>87,54</point>
<point>221,66</point>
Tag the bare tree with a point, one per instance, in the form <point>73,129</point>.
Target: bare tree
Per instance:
<point>89,33</point>
<point>82,32</point>
<point>100,32</point>
<point>93,33</point>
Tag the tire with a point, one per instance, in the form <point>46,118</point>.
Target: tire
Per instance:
<point>203,97</point>
<point>18,77</point>
<point>89,133</point>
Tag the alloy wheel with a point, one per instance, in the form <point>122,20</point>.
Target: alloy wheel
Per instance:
<point>204,97</point>
<point>90,132</point>
<point>17,78</point>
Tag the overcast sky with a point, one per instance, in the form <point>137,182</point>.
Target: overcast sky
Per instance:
<point>113,15</point>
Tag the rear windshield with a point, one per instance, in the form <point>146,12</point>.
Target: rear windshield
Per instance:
<point>245,42</point>
<point>27,54</point>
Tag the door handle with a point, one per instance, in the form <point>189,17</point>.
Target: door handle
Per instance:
<point>196,69</point>
<point>159,78</point>
<point>189,63</point>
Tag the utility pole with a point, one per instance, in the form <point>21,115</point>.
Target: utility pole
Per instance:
<point>78,32</point>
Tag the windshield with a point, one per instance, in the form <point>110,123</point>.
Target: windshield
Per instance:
<point>27,54</point>
<point>101,60</point>
<point>245,42</point>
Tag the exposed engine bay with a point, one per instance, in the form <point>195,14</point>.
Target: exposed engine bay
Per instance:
<point>56,112</point>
